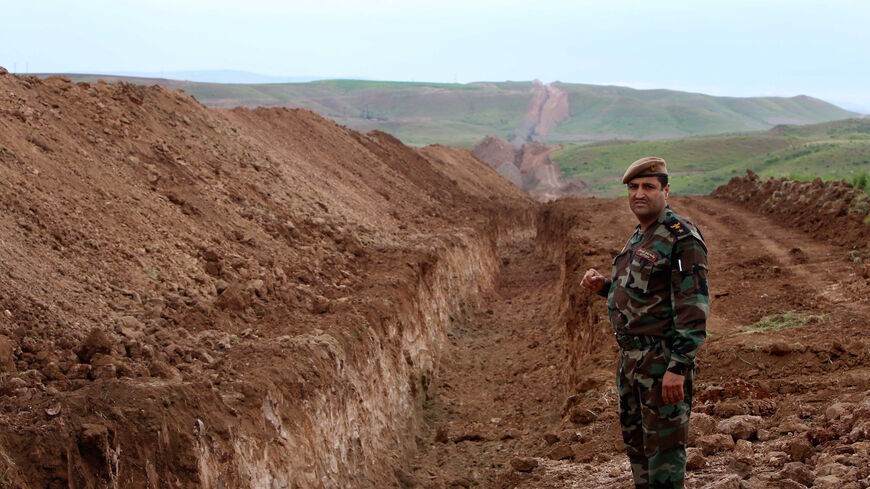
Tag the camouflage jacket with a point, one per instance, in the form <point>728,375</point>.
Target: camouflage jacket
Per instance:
<point>659,288</point>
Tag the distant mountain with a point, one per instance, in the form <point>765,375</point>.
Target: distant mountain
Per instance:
<point>462,114</point>
<point>222,76</point>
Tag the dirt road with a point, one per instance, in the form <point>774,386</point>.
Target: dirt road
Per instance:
<point>502,396</point>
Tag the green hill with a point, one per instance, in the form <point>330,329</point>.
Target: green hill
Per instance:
<point>833,150</point>
<point>462,114</point>
<point>617,112</point>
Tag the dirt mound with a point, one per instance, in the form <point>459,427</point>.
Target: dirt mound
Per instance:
<point>224,298</point>
<point>530,168</point>
<point>495,151</point>
<point>834,211</point>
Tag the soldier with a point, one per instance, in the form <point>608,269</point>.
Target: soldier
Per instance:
<point>658,302</point>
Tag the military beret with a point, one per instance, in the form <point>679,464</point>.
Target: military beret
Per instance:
<point>650,166</point>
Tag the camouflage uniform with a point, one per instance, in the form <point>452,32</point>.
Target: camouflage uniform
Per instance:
<point>658,304</point>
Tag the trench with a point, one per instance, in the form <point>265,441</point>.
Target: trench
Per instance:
<point>472,365</point>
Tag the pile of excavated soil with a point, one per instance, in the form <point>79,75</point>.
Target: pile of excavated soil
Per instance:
<point>835,211</point>
<point>495,151</point>
<point>262,298</point>
<point>530,168</point>
<point>202,298</point>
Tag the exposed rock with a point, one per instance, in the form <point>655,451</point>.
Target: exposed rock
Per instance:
<point>320,304</point>
<point>715,443</point>
<point>820,435</point>
<point>837,410</point>
<point>441,435</point>
<point>550,438</point>
<point>727,409</point>
<point>780,348</point>
<point>695,459</point>
<point>220,286</point>
<point>232,299</point>
<point>129,326</point>
<point>700,424</point>
<point>406,480</point>
<point>561,452</point>
<point>96,342</point>
<point>792,425</point>
<point>744,427</point>
<point>524,464</point>
<point>7,354</point>
<point>471,434</point>
<point>511,434</point>
<point>257,287</point>
<point>742,458</point>
<point>730,481</point>
<point>460,482</point>
<point>837,469</point>
<point>800,448</point>
<point>52,371</point>
<point>828,482</point>
<point>164,371</point>
<point>79,371</point>
<point>777,458</point>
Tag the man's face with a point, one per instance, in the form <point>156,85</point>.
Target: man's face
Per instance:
<point>647,198</point>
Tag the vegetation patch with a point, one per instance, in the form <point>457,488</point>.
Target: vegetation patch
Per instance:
<point>785,320</point>
<point>831,151</point>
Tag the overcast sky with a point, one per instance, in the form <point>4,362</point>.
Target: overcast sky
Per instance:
<point>737,47</point>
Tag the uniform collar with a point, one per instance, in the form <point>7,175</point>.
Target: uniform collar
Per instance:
<point>660,220</point>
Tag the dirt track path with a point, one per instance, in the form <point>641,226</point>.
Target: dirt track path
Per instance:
<point>503,389</point>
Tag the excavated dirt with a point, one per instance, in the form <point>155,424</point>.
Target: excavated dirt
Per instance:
<point>262,298</point>
<point>833,209</point>
<point>528,399</point>
<point>201,298</point>
<point>530,168</point>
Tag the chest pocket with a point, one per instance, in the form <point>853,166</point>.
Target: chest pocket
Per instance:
<point>648,276</point>
<point>639,274</point>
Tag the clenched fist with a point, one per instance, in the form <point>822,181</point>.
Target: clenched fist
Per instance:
<point>592,280</point>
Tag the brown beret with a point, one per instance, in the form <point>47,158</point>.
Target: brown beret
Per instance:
<point>650,166</point>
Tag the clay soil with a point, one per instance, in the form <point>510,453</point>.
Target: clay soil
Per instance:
<point>506,395</point>
<point>263,298</point>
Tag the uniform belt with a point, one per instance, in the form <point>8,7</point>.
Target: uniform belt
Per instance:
<point>631,341</point>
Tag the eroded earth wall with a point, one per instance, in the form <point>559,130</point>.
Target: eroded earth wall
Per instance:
<point>832,210</point>
<point>246,298</point>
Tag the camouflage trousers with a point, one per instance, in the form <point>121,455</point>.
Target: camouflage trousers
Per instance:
<point>655,433</point>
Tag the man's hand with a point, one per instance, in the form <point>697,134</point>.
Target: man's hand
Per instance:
<point>672,388</point>
<point>592,280</point>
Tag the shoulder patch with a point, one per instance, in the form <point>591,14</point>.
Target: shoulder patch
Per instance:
<point>681,228</point>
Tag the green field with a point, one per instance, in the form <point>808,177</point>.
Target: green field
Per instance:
<point>462,114</point>
<point>834,150</point>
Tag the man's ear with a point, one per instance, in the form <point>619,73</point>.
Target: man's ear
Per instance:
<point>667,189</point>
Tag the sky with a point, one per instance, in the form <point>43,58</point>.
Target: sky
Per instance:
<point>737,48</point>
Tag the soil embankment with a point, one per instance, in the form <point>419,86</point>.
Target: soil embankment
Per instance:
<point>530,168</point>
<point>246,298</point>
<point>834,210</point>
<point>262,298</point>
<point>525,160</point>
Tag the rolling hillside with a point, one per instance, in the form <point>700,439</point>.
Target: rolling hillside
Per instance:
<point>462,114</point>
<point>833,151</point>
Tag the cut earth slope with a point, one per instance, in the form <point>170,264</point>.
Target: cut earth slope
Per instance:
<point>245,298</point>
<point>193,297</point>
